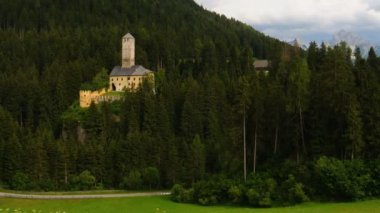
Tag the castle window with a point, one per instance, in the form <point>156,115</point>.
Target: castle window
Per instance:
<point>117,79</point>
<point>121,78</point>
<point>129,78</point>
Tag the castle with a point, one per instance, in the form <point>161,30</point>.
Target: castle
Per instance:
<point>128,76</point>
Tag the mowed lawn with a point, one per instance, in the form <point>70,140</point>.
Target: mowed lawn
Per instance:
<point>162,204</point>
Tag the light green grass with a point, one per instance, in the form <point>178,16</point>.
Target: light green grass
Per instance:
<point>114,93</point>
<point>163,204</point>
<point>92,192</point>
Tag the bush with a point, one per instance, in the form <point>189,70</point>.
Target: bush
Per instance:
<point>176,193</point>
<point>374,185</point>
<point>292,192</point>
<point>48,185</point>
<point>261,191</point>
<point>341,180</point>
<point>20,181</point>
<point>132,181</point>
<point>180,194</point>
<point>360,179</point>
<point>188,196</point>
<point>212,191</point>
<point>253,197</point>
<point>151,177</point>
<point>84,181</point>
<point>235,194</point>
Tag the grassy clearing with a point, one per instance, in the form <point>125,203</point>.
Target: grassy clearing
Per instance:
<point>164,205</point>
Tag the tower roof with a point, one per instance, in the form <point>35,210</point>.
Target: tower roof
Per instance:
<point>128,35</point>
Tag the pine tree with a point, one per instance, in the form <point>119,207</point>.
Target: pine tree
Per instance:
<point>197,159</point>
<point>11,158</point>
<point>244,101</point>
<point>298,95</point>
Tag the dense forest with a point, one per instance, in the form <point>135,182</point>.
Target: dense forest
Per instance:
<point>211,115</point>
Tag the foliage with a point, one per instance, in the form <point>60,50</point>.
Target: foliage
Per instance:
<point>151,177</point>
<point>341,180</point>
<point>100,81</point>
<point>292,191</point>
<point>20,182</point>
<point>235,194</point>
<point>84,181</point>
<point>132,181</point>
<point>261,191</point>
<point>180,194</point>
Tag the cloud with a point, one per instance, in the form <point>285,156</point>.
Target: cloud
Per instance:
<point>301,18</point>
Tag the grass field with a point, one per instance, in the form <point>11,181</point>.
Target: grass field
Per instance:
<point>92,192</point>
<point>164,205</point>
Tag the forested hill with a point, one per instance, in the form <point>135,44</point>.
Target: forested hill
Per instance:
<point>49,47</point>
<point>210,115</point>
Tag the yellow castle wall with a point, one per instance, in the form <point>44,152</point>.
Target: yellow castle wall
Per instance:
<point>87,96</point>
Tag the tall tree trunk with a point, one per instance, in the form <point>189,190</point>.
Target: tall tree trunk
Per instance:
<point>255,151</point>
<point>245,152</point>
<point>301,128</point>
<point>275,141</point>
<point>66,178</point>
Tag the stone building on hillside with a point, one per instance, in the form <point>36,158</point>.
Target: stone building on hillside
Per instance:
<point>128,76</point>
<point>262,66</point>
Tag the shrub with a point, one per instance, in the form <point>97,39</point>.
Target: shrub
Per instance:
<point>253,197</point>
<point>151,177</point>
<point>292,192</point>
<point>360,179</point>
<point>374,184</point>
<point>84,181</point>
<point>205,201</point>
<point>180,194</point>
<point>261,191</point>
<point>132,181</point>
<point>177,193</point>
<point>341,180</point>
<point>188,196</point>
<point>48,185</point>
<point>212,191</point>
<point>20,181</point>
<point>235,194</point>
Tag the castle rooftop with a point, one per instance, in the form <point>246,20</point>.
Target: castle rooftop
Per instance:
<point>136,70</point>
<point>128,35</point>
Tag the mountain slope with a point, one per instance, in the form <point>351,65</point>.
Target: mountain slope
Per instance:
<point>55,45</point>
<point>353,41</point>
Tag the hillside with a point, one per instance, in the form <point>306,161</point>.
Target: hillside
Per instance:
<point>55,45</point>
<point>307,128</point>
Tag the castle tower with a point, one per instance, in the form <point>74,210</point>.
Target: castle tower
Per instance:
<point>128,51</point>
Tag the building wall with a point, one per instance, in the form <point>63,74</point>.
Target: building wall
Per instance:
<point>87,96</point>
<point>121,83</point>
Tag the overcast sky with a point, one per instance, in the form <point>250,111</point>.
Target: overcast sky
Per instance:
<point>304,19</point>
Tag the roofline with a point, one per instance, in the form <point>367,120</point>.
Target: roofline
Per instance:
<point>128,75</point>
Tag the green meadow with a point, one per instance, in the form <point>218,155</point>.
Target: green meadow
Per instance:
<point>162,204</point>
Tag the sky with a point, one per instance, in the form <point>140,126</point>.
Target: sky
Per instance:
<point>307,20</point>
